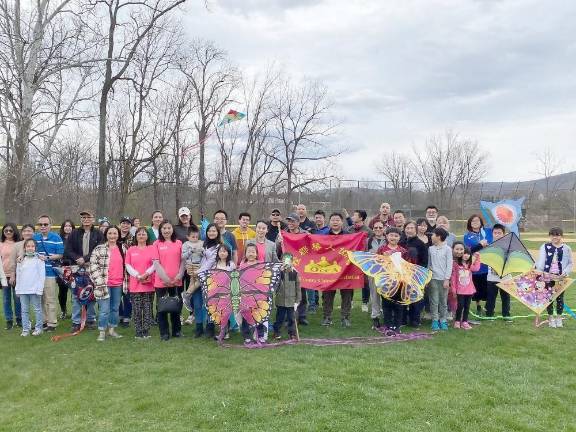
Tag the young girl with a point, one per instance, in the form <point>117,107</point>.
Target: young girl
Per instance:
<point>461,282</point>
<point>555,258</point>
<point>224,261</point>
<point>30,275</point>
<point>251,258</point>
<point>139,265</point>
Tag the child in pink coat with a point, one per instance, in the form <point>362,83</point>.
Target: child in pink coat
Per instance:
<point>461,283</point>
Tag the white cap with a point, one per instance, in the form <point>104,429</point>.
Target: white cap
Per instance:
<point>183,211</point>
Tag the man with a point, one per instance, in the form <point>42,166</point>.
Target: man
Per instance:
<point>320,222</point>
<point>384,216</point>
<point>126,237</point>
<point>79,247</point>
<point>305,223</point>
<point>431,216</point>
<point>293,227</point>
<point>184,222</point>
<point>50,249</point>
<point>243,233</point>
<point>399,220</point>
<point>275,225</point>
<point>220,219</point>
<point>336,223</point>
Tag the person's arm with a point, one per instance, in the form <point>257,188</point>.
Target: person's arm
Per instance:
<point>181,270</point>
<point>132,271</point>
<point>160,272</point>
<point>298,289</point>
<point>41,274</point>
<point>475,262</point>
<point>541,258</point>
<point>59,254</point>
<point>449,264</point>
<point>3,279</point>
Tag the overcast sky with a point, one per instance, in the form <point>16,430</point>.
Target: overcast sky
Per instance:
<point>502,72</point>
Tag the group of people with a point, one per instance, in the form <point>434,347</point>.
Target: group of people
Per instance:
<point>132,267</point>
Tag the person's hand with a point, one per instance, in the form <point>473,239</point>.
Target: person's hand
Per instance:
<point>345,213</point>
<point>296,306</point>
<point>43,257</point>
<point>446,284</point>
<point>53,256</point>
<point>80,261</point>
<point>125,289</point>
<point>484,243</point>
<point>12,282</point>
<point>19,259</point>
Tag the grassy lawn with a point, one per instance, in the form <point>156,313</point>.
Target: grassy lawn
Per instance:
<point>496,377</point>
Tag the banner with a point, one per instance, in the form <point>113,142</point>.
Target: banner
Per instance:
<point>322,260</point>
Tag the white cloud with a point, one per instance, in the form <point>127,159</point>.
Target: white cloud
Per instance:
<point>501,72</point>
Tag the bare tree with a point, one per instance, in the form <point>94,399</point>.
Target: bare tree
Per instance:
<point>549,165</point>
<point>301,126</point>
<point>397,168</point>
<point>128,23</point>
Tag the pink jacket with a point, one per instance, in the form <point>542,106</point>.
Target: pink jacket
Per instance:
<point>461,279</point>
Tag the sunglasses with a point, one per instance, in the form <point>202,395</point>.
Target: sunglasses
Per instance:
<point>275,214</point>
<point>43,224</point>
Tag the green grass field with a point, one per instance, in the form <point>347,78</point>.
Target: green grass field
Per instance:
<point>496,377</point>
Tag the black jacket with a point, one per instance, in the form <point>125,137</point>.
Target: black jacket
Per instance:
<point>73,248</point>
<point>417,251</point>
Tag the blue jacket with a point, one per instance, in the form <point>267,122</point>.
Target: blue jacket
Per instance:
<point>52,244</point>
<point>472,240</point>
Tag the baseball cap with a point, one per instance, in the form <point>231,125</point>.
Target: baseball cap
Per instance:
<point>293,216</point>
<point>183,211</point>
<point>87,213</point>
<point>276,211</point>
<point>126,219</point>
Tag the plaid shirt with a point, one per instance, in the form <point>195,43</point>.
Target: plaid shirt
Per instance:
<point>98,270</point>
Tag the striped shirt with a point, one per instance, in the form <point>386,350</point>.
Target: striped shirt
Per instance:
<point>50,245</point>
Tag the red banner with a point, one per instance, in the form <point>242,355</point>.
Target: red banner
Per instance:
<point>322,260</point>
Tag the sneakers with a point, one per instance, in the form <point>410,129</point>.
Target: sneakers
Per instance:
<point>36,332</point>
<point>435,325</point>
<point>101,336</point>
<point>75,328</point>
<point>277,336</point>
<point>62,315</point>
<point>25,333</point>
<point>189,320</point>
<point>551,321</point>
<point>559,322</point>
<point>465,325</point>
<point>390,332</point>
<point>346,323</point>
<point>456,324</point>
<point>364,307</point>
<point>444,325</point>
<point>262,340</point>
<point>326,322</point>
<point>376,323</point>
<point>112,333</point>
<point>90,325</point>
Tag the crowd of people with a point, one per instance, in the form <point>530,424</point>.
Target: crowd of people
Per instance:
<point>132,267</point>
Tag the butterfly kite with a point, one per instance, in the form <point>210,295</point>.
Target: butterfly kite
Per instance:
<point>246,292</point>
<point>505,212</point>
<point>507,255</point>
<point>535,289</point>
<point>395,279</point>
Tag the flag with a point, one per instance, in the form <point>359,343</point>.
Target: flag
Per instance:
<point>232,116</point>
<point>323,262</point>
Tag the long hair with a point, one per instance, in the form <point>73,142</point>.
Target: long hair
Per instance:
<point>208,243</point>
<point>161,236</point>
<point>62,234</point>
<point>15,231</point>
<point>118,244</point>
<point>460,260</point>
<point>228,258</point>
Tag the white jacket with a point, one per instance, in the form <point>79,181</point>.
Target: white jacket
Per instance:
<point>30,276</point>
<point>3,280</point>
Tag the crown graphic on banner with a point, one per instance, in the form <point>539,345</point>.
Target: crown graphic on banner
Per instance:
<point>322,267</point>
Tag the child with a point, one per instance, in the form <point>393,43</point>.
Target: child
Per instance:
<point>30,275</point>
<point>555,258</point>
<point>440,262</point>
<point>224,262</point>
<point>251,258</point>
<point>374,243</point>
<point>192,253</point>
<point>498,231</point>
<point>461,282</point>
<point>288,297</point>
<point>393,311</point>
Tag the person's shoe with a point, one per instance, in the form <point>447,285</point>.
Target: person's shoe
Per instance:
<point>101,336</point>
<point>443,325</point>
<point>138,336</point>
<point>227,335</point>
<point>49,329</point>
<point>346,323</point>
<point>199,331</point>
<point>303,321</point>
<point>36,332</point>
<point>75,328</point>
<point>312,309</point>
<point>559,322</point>
<point>90,325</point>
<point>9,325</point>
<point>164,338</point>
<point>326,322</point>
<point>210,331</point>
<point>389,332</point>
<point>62,315</point>
<point>25,333</point>
<point>124,324</point>
<point>435,325</point>
<point>19,323</point>
<point>189,320</point>
<point>456,324</point>
<point>154,322</point>
<point>112,333</point>
<point>551,322</point>
<point>247,341</point>
<point>376,323</point>
<point>465,325</point>
<point>479,310</point>
<point>293,338</point>
<point>262,340</point>
<point>364,307</point>
<point>277,336</point>
<point>44,326</point>
<point>177,335</point>
<point>508,320</point>
<point>146,335</point>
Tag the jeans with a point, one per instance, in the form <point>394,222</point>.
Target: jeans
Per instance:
<point>36,301</point>
<point>559,305</point>
<point>438,296</point>
<point>77,311</point>
<point>125,308</point>
<point>108,309</point>
<point>281,314</point>
<point>199,309</point>
<point>312,297</point>
<point>9,293</point>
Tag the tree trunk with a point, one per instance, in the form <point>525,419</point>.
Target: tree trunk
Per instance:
<point>202,171</point>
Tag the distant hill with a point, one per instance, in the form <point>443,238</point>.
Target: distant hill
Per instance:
<point>566,181</point>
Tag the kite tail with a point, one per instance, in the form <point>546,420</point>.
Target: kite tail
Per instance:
<point>570,311</point>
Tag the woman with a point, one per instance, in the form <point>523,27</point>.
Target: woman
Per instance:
<point>169,269</point>
<point>65,230</point>
<point>140,266</point>
<point>417,252</point>
<point>103,224</point>
<point>154,230</point>
<point>10,236</point>
<point>421,230</point>
<point>476,238</point>
<point>208,262</point>
<point>107,273</point>
<point>135,225</point>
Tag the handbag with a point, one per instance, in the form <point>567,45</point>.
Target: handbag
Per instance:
<point>169,304</point>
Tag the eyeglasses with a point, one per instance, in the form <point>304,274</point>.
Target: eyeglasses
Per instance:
<point>7,231</point>
<point>43,224</point>
<point>378,228</point>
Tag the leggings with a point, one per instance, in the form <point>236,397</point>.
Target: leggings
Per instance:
<point>463,307</point>
<point>62,294</point>
<point>559,305</point>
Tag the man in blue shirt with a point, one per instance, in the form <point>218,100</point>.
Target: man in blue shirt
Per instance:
<point>220,219</point>
<point>50,249</point>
